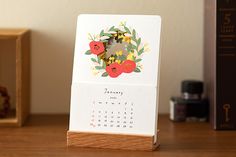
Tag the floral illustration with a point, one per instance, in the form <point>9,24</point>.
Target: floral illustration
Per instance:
<point>116,50</point>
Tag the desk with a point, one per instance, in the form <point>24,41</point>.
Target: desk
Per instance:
<point>45,135</point>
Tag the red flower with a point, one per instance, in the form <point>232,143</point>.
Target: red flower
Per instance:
<point>96,47</point>
<point>114,70</point>
<point>128,66</point>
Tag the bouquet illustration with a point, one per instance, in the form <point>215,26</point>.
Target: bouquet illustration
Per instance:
<point>116,50</point>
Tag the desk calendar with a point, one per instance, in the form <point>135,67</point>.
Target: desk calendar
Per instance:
<point>115,78</point>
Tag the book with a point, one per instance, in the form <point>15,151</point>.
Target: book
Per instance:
<point>115,75</point>
<point>220,62</point>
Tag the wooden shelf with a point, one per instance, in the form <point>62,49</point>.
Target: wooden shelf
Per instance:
<point>15,73</point>
<point>10,120</point>
<point>12,33</point>
<point>45,135</point>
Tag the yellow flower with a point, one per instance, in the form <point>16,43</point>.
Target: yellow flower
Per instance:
<point>121,36</point>
<point>94,71</point>
<point>127,39</point>
<point>146,47</point>
<point>119,53</point>
<point>111,58</point>
<point>123,23</point>
<point>130,56</point>
<point>118,61</point>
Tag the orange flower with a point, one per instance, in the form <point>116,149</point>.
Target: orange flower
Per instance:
<point>127,39</point>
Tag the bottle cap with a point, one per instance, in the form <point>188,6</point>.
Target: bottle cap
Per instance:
<point>192,87</point>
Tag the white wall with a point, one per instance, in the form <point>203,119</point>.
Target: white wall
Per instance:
<point>53,24</point>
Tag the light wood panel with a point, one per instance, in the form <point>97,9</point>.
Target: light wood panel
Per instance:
<point>111,141</point>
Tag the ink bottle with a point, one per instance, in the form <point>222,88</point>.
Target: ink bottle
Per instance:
<point>190,106</point>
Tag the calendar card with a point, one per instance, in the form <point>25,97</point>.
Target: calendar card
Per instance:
<point>115,74</point>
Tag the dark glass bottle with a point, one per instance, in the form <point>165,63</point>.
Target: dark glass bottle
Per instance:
<point>190,106</point>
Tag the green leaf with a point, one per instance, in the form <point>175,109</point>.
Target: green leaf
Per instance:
<point>91,37</point>
<point>134,34</point>
<point>138,60</point>
<point>104,65</point>
<point>134,58</point>
<point>133,38</point>
<point>129,47</point>
<point>141,51</point>
<point>112,28</point>
<point>138,42</point>
<point>122,58</point>
<point>102,32</point>
<point>104,41</point>
<point>137,70</point>
<point>127,29</point>
<point>107,34</point>
<point>99,59</point>
<point>93,59</point>
<point>88,52</point>
<point>98,67</point>
<point>133,46</point>
<point>105,74</point>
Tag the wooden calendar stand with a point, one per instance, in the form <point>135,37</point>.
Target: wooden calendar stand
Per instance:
<point>111,141</point>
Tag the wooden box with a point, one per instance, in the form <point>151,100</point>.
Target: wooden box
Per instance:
<point>14,73</point>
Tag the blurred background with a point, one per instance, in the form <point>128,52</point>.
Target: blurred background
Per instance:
<point>53,25</point>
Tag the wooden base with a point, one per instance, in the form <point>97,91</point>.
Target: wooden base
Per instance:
<point>111,141</point>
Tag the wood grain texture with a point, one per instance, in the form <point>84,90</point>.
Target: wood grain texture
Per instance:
<point>45,136</point>
<point>111,141</point>
<point>22,41</point>
<point>11,33</point>
<point>24,78</point>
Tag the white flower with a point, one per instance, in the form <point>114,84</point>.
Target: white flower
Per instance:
<point>104,37</point>
<point>111,32</point>
<point>122,28</point>
<point>128,35</point>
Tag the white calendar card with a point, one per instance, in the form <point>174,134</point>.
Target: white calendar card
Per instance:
<point>115,74</point>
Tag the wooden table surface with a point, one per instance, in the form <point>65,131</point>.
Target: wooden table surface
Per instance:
<point>45,135</point>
